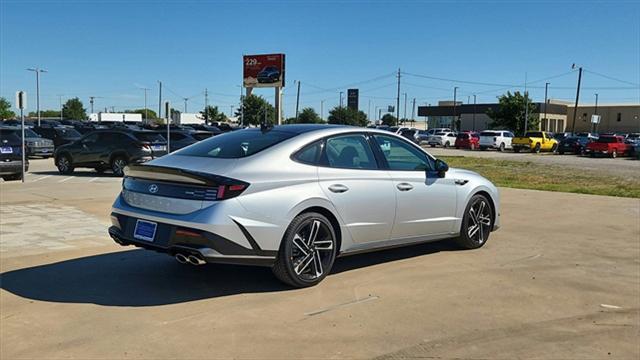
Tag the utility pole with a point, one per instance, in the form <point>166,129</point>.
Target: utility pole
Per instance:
<point>322,110</point>
<point>526,107</point>
<point>595,112</point>
<point>231,110</point>
<point>297,100</point>
<point>60,100</point>
<point>413,112</point>
<point>474,112</point>
<point>546,89</point>
<point>206,105</point>
<point>398,100</point>
<point>185,104</point>
<point>160,99</point>
<point>146,114</point>
<point>91,102</point>
<point>369,111</point>
<point>37,71</point>
<point>341,98</point>
<point>575,108</point>
<point>405,106</point>
<point>241,107</point>
<point>455,94</point>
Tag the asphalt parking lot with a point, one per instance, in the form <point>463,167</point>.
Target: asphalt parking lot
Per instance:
<point>561,279</point>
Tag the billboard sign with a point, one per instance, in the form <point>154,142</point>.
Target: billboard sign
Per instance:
<point>352,98</point>
<point>595,119</point>
<point>263,70</point>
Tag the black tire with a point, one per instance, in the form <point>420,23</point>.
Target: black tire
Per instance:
<point>480,237</point>
<point>536,149</point>
<point>118,164</point>
<point>100,169</point>
<point>501,148</point>
<point>516,150</point>
<point>64,163</point>
<point>554,148</point>
<point>299,254</point>
<point>561,152</point>
<point>614,154</point>
<point>446,145</point>
<point>483,148</point>
<point>432,145</point>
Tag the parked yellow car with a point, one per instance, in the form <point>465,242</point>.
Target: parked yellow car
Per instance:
<point>534,141</point>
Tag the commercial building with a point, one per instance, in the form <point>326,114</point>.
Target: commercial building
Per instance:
<point>556,116</point>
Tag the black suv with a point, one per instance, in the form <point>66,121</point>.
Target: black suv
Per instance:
<point>11,154</point>
<point>110,149</point>
<point>59,134</point>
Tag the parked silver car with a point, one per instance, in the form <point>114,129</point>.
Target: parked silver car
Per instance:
<point>295,197</point>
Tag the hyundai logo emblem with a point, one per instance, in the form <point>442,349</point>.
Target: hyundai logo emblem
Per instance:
<point>153,188</point>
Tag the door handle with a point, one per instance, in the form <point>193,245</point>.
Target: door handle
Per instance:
<point>461,181</point>
<point>338,188</point>
<point>404,186</point>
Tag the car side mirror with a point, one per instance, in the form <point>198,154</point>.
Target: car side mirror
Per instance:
<point>441,167</point>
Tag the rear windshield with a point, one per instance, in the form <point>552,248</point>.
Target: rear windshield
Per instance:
<point>607,139</point>
<point>149,137</point>
<point>236,144</point>
<point>488,133</point>
<point>463,136</point>
<point>11,136</point>
<point>533,134</point>
<point>72,133</point>
<point>201,136</point>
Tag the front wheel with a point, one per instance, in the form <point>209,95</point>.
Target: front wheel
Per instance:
<point>614,154</point>
<point>554,148</point>
<point>476,223</point>
<point>307,252</point>
<point>446,145</point>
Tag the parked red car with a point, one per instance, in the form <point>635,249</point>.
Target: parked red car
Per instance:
<point>467,140</point>
<point>609,145</point>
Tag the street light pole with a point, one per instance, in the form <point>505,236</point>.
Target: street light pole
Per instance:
<point>546,88</point>
<point>341,98</point>
<point>455,94</point>
<point>474,112</point>
<point>60,100</point>
<point>37,71</point>
<point>595,111</point>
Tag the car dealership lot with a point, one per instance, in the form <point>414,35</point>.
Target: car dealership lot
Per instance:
<point>558,281</point>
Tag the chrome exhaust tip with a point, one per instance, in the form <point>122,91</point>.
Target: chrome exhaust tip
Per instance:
<point>181,258</point>
<point>194,260</point>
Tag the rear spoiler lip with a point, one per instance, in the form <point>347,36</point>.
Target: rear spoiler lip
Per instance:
<point>178,175</point>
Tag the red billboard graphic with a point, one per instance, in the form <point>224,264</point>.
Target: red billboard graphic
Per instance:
<point>263,70</point>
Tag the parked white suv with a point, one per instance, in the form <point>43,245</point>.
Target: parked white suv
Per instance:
<point>496,139</point>
<point>444,138</point>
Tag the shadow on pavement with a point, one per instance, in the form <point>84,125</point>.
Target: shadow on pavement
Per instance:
<point>144,278</point>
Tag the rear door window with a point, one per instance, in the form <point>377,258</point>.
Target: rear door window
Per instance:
<point>350,152</point>
<point>149,137</point>
<point>309,154</point>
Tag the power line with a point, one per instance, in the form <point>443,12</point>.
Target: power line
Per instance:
<point>612,78</point>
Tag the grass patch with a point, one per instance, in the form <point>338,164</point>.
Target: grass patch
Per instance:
<point>528,175</point>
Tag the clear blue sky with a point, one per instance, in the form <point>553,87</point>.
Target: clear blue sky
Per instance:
<point>108,48</point>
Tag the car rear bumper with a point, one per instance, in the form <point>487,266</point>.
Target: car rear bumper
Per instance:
<point>174,239</point>
<point>214,233</point>
<point>12,167</point>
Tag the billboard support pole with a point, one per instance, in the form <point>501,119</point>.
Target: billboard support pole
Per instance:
<point>278,105</point>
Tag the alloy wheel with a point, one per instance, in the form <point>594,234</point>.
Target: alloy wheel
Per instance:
<point>479,224</point>
<point>63,164</point>
<point>312,250</point>
<point>118,166</point>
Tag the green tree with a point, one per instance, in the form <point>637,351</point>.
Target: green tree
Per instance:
<point>150,113</point>
<point>389,120</point>
<point>73,109</point>
<point>347,116</point>
<point>5,109</point>
<point>510,113</point>
<point>212,114</point>
<point>255,108</point>
<point>46,113</point>
<point>306,116</point>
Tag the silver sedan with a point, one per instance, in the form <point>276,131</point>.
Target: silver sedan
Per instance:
<point>296,197</point>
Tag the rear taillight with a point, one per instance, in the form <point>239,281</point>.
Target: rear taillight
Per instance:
<point>229,191</point>
<point>145,147</point>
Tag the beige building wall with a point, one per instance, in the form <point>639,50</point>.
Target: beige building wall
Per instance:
<point>556,123</point>
<point>615,118</point>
